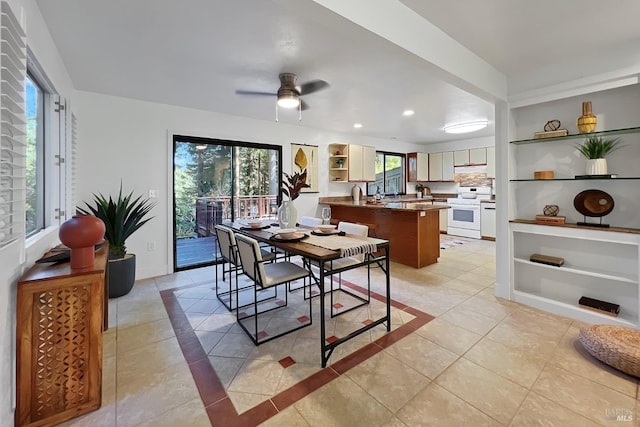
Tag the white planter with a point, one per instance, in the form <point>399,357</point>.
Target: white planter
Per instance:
<point>596,166</point>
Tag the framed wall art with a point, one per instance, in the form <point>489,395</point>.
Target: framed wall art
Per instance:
<point>306,157</point>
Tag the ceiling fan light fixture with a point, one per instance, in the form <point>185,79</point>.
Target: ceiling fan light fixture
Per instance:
<point>466,127</point>
<point>288,101</point>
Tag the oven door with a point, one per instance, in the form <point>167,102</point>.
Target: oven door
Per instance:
<point>464,216</point>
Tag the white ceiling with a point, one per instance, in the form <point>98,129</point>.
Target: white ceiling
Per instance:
<point>197,53</point>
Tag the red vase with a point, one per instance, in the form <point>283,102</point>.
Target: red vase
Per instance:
<point>80,234</point>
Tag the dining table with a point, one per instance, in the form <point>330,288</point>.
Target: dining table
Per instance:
<point>322,251</point>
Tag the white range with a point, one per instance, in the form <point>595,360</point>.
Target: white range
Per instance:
<point>464,215</point>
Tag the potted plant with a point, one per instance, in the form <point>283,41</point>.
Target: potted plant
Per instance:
<point>122,217</point>
<point>291,186</point>
<point>595,148</point>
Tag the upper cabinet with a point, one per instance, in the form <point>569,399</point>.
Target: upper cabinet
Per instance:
<point>418,167</point>
<point>472,157</point>
<point>461,158</point>
<point>362,163</point>
<point>447,166</point>
<point>435,167</point>
<point>478,156</point>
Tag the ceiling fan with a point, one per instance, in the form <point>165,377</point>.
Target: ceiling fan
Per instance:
<point>288,95</point>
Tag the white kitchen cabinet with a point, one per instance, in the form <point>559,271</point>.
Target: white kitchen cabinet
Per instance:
<point>491,162</point>
<point>461,158</point>
<point>435,166</point>
<point>488,221</point>
<point>418,167</point>
<point>362,163</point>
<point>444,216</point>
<point>447,166</point>
<point>474,156</point>
<point>478,156</point>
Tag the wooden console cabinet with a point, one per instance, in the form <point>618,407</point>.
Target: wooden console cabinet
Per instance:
<point>59,341</point>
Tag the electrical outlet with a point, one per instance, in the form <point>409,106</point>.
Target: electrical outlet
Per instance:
<point>151,245</point>
<point>153,194</point>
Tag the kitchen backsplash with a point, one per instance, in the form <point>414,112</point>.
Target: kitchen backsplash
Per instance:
<point>472,176</point>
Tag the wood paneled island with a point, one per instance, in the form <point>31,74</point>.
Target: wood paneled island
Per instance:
<point>412,228</point>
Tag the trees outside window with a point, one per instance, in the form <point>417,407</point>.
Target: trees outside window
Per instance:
<point>390,173</point>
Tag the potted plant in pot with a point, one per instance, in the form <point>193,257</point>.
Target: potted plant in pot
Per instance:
<point>122,217</point>
<point>595,148</point>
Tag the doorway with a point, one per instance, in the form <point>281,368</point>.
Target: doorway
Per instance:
<point>215,181</point>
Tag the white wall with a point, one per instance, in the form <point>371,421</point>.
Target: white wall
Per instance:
<point>130,140</point>
<point>18,256</point>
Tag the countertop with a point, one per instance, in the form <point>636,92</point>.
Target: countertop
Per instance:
<point>395,204</point>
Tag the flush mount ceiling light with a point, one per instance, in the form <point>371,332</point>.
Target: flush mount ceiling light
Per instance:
<point>466,127</point>
<point>357,125</point>
<point>408,113</point>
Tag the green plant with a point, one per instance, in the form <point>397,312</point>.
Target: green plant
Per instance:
<point>122,217</point>
<point>597,147</point>
<point>292,184</point>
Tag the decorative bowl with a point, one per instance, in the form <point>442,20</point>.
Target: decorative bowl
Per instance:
<point>254,224</point>
<point>326,228</point>
<point>286,233</point>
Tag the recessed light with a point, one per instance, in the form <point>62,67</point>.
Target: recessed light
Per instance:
<point>408,113</point>
<point>357,125</point>
<point>466,127</point>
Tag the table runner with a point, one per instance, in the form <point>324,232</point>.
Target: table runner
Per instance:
<point>347,245</point>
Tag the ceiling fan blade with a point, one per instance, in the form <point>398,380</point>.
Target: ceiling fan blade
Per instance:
<point>303,105</point>
<point>313,86</point>
<point>251,92</point>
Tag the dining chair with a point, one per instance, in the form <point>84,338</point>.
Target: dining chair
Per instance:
<point>228,255</point>
<point>340,263</point>
<point>267,276</point>
<point>309,221</point>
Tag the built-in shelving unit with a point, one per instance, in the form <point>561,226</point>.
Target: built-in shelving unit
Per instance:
<point>339,162</point>
<point>600,263</point>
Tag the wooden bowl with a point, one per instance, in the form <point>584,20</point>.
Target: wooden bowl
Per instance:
<point>593,203</point>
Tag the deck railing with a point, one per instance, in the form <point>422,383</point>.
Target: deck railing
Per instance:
<point>214,210</point>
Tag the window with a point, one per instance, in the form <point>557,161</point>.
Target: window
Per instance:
<point>389,174</point>
<point>35,157</point>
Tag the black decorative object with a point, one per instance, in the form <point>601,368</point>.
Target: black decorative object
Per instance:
<point>593,203</point>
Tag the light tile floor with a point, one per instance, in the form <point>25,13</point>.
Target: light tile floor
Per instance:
<point>481,361</point>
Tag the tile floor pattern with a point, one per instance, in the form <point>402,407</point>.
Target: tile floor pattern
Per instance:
<point>481,361</point>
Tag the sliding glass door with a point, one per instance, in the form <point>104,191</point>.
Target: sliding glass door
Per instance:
<point>216,181</point>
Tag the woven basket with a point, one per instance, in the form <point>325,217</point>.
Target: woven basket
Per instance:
<point>616,346</point>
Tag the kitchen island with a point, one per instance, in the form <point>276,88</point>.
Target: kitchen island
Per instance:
<point>411,226</point>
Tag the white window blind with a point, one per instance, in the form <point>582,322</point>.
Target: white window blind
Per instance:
<point>13,69</point>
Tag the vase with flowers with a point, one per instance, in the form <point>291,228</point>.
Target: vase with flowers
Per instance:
<point>291,186</point>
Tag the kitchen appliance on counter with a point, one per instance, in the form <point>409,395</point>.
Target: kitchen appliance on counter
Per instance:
<point>464,215</point>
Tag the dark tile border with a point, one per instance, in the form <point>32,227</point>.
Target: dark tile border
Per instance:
<point>219,408</point>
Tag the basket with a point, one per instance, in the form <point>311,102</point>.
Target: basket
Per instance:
<point>616,346</point>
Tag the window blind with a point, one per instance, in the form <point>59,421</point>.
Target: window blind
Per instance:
<point>13,69</point>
